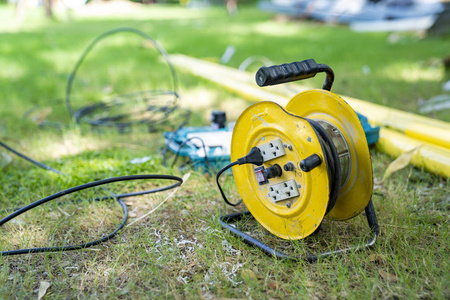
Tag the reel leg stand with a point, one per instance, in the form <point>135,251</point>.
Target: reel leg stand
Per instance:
<point>227,220</point>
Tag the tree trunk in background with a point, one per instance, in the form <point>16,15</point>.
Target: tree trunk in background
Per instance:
<point>442,24</point>
<point>48,8</point>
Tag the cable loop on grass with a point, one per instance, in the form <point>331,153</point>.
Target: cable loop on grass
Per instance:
<point>83,187</point>
<point>148,108</point>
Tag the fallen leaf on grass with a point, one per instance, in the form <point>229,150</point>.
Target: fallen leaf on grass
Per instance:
<point>402,161</point>
<point>64,212</point>
<point>310,283</point>
<point>274,285</point>
<point>40,115</point>
<point>132,214</point>
<point>43,287</point>
<point>387,276</point>
<point>248,274</point>
<point>377,258</point>
<point>185,178</point>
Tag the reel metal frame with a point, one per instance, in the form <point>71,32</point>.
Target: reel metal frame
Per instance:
<point>227,223</point>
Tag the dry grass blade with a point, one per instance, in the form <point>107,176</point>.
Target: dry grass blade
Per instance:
<point>185,178</point>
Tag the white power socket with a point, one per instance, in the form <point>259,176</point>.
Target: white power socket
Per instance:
<point>272,149</point>
<point>284,190</point>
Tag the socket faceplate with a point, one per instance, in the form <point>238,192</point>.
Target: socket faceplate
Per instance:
<point>283,190</point>
<point>272,149</point>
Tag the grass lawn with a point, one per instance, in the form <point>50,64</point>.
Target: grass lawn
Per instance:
<point>180,250</point>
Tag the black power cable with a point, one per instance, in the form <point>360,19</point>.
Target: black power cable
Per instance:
<point>253,157</point>
<point>87,113</point>
<point>118,197</point>
<point>220,188</point>
<point>226,220</point>
<point>43,166</point>
<point>83,187</point>
<point>332,162</point>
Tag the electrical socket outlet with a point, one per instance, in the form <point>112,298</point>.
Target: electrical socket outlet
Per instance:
<point>272,149</point>
<point>284,190</point>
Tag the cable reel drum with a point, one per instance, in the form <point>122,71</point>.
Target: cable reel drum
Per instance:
<point>316,161</point>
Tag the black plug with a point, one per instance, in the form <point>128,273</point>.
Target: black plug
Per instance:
<point>253,157</point>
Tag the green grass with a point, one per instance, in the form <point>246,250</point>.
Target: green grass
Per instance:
<point>180,251</point>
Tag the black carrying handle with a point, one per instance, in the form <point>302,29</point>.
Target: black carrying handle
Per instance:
<point>297,70</point>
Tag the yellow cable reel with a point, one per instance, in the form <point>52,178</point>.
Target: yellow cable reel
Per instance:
<point>315,160</point>
<point>285,205</point>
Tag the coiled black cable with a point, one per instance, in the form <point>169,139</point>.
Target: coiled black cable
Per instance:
<point>332,162</point>
<point>83,187</point>
<point>86,113</point>
<point>118,197</point>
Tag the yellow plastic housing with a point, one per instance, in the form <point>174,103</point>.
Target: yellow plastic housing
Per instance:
<point>296,217</point>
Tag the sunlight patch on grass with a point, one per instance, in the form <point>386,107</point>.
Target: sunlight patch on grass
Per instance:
<point>55,57</point>
<point>271,28</point>
<point>233,107</point>
<point>72,144</point>
<point>34,19</point>
<point>412,73</point>
<point>102,164</point>
<point>199,98</point>
<point>11,69</point>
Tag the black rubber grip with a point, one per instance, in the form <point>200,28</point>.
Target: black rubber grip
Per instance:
<point>298,70</point>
